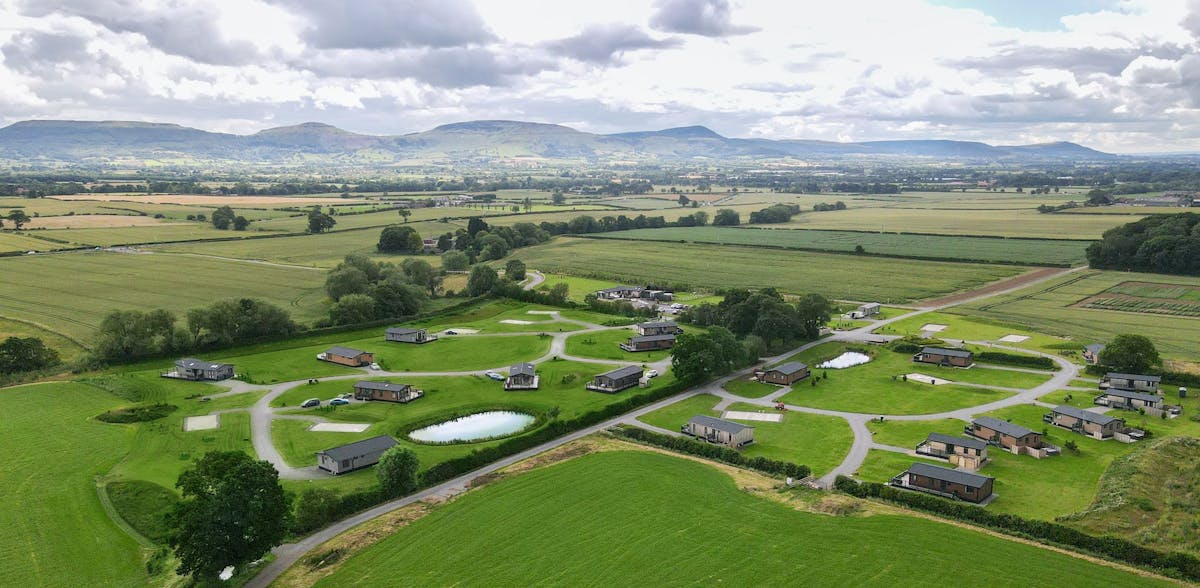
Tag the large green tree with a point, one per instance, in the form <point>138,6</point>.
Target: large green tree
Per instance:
<point>18,217</point>
<point>238,320</point>
<point>223,217</point>
<point>233,512</point>
<point>25,354</point>
<point>353,309</point>
<point>125,334</point>
<point>399,239</point>
<point>1130,354</point>
<point>319,222</point>
<point>420,273</point>
<point>697,357</point>
<point>397,471</point>
<point>482,280</point>
<point>514,270</point>
<point>455,260</point>
<point>346,280</point>
<point>813,312</point>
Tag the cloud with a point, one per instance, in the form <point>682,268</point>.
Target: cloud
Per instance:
<point>608,43</point>
<point>709,18</point>
<point>383,24</point>
<point>451,67</point>
<point>35,51</point>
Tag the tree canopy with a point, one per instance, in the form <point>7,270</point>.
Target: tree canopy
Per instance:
<point>701,356</point>
<point>399,239</point>
<point>25,354</point>
<point>1163,244</point>
<point>482,280</point>
<point>397,471</point>
<point>1130,354</point>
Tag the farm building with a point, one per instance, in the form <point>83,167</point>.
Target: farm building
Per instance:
<point>945,357</point>
<point>616,380</point>
<point>658,328</point>
<point>635,292</point>
<point>386,391</point>
<point>354,456</point>
<point>866,310</point>
<point>649,343</point>
<point>1135,382</point>
<point>784,375</point>
<point>924,477</point>
<point>430,246</point>
<point>1152,404</point>
<point>347,356</point>
<point>1091,353</point>
<point>190,368</point>
<point>403,335</point>
<point>1086,422</point>
<point>1011,437</point>
<point>521,376</point>
<point>719,431</point>
<point>961,452</point>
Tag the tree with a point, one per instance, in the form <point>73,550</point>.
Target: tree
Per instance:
<point>398,239</point>
<point>492,247</point>
<point>222,218</point>
<point>352,309</point>
<point>395,298</point>
<point>813,311</point>
<point>558,198</point>
<point>240,223</point>
<point>345,280</point>
<point>701,218</point>
<point>18,217</point>
<point>27,354</point>
<point>397,471</point>
<point>683,200</point>
<point>727,217</point>
<point>421,274</point>
<point>314,508</point>
<point>527,204</point>
<point>233,512</point>
<point>698,357</point>
<point>476,224</point>
<point>404,214</point>
<point>236,320</point>
<point>132,333</point>
<point>1130,354</point>
<point>482,280</point>
<point>454,260</point>
<point>514,270</point>
<point>559,292</point>
<point>319,222</point>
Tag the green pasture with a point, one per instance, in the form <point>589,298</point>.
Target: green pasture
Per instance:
<point>606,345</point>
<point>991,249</point>
<point>749,388</point>
<point>1001,223</point>
<point>909,434</point>
<point>489,318</point>
<point>976,329</point>
<point>654,520</point>
<point>12,241</point>
<point>715,266</point>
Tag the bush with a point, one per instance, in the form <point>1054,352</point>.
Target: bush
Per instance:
<point>714,452</point>
<point>1029,361</point>
<point>137,414</point>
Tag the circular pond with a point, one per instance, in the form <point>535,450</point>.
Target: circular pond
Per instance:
<point>481,425</point>
<point>845,360</point>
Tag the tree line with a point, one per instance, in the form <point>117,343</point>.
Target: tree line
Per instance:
<point>1160,244</point>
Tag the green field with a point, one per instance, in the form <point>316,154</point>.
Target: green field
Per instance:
<point>605,345</point>
<point>750,388</point>
<point>654,520</point>
<point>714,266</point>
<point>71,293</point>
<point>1001,223</point>
<point>1025,251</point>
<point>10,241</point>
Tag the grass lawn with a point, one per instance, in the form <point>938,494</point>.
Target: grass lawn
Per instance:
<point>606,345</point>
<point>56,533</point>
<point>968,329</point>
<point>910,433</point>
<point>881,465</point>
<point>749,388</point>
<point>712,266</point>
<point>489,318</point>
<point>1027,222</point>
<point>653,519</point>
<point>561,386</point>
<point>577,288</point>
<point>869,388</point>
<point>144,505</point>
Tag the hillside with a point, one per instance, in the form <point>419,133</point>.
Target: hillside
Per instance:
<point>101,142</point>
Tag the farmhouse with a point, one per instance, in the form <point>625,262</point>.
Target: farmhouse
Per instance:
<point>658,328</point>
<point>961,452</point>
<point>1086,422</point>
<point>386,391</point>
<point>616,380</point>
<point>1091,353</point>
<point>347,356</point>
<point>1135,382</point>
<point>1011,437</point>
<point>784,375</point>
<point>190,368</point>
<point>403,335</point>
<point>649,343</point>
<point>521,376</point>
<point>866,310</point>
<point>945,357</point>
<point>924,477</point>
<point>719,431</point>
<point>430,246</point>
<point>354,456</point>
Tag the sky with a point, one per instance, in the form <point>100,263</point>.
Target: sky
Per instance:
<point>1117,75</point>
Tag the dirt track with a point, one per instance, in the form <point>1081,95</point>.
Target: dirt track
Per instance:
<point>1015,283</point>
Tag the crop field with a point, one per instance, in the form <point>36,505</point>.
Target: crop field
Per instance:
<point>1051,308</point>
<point>713,266</point>
<point>56,533</point>
<point>520,531</point>
<point>1001,223</point>
<point>213,201</point>
<point>70,293</point>
<point>1148,298</point>
<point>1026,251</point>
<point>132,235</point>
<point>92,221</point>
<point>10,241</point>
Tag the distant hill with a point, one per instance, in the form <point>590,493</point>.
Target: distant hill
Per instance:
<point>100,142</point>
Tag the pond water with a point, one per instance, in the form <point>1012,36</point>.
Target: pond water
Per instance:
<point>845,360</point>
<point>482,425</point>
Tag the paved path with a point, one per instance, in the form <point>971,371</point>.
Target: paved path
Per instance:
<point>534,279</point>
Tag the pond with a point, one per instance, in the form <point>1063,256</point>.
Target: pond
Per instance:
<point>482,425</point>
<point>845,360</point>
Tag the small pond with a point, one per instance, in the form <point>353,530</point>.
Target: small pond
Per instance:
<point>845,360</point>
<point>482,425</point>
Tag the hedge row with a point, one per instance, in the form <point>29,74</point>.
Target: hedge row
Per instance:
<point>1174,564</point>
<point>715,452</point>
<point>1029,361</point>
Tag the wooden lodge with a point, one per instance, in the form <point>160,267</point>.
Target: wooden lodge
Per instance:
<point>720,431</point>
<point>945,482</point>
<point>1135,382</point>
<point>1085,422</point>
<point>945,357</point>
<point>961,452</point>
<point>190,368</point>
<point>785,374</point>
<point>1011,437</point>
<point>386,392</point>
<point>354,456</point>
<point>616,380</point>
<point>648,343</point>
<point>658,328</point>
<point>347,356</point>
<point>521,376</point>
<point>405,335</point>
<point>866,310</point>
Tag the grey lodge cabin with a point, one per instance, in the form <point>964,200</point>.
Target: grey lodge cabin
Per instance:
<point>386,392</point>
<point>720,431</point>
<point>190,368</point>
<point>924,477</point>
<point>648,343</point>
<point>405,335</point>
<point>616,380</point>
<point>354,456</point>
<point>658,328</point>
<point>945,357</point>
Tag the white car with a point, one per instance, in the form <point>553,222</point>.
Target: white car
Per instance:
<point>495,376</point>
<point>320,356</point>
<point>652,374</point>
<point>375,366</point>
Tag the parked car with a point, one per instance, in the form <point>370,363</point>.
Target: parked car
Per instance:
<point>451,332</point>
<point>338,401</point>
<point>320,356</point>
<point>346,395</point>
<point>494,376</point>
<point>652,374</point>
<point>311,403</point>
<point>375,366</point>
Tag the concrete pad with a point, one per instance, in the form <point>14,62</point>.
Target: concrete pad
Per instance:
<point>742,415</point>
<point>201,423</point>
<point>541,312</point>
<point>1013,339</point>
<point>515,322</point>
<point>922,378</point>
<point>933,328</point>
<point>340,427</point>
<point>460,331</point>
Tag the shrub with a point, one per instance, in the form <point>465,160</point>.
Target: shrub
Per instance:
<point>137,414</point>
<point>715,452</point>
<point>1029,361</point>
